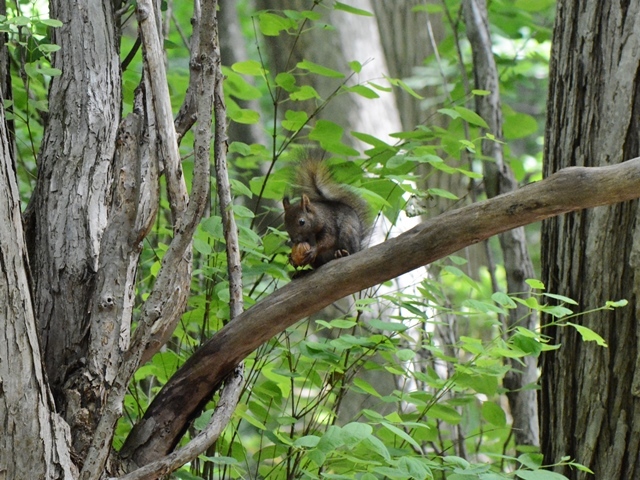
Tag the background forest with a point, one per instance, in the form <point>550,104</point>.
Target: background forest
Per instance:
<point>422,108</point>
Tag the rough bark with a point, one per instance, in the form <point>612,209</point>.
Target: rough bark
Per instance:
<point>499,178</point>
<point>590,398</point>
<point>34,439</point>
<point>69,209</point>
<point>192,386</point>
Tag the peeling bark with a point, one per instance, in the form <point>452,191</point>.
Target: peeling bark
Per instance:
<point>35,440</point>
<point>69,209</point>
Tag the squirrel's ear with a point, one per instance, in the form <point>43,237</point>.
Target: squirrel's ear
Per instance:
<point>285,202</point>
<point>305,202</point>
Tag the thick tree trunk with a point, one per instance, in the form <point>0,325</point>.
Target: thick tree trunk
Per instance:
<point>69,209</point>
<point>590,405</point>
<point>33,441</point>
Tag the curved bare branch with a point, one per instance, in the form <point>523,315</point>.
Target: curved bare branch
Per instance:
<point>188,390</point>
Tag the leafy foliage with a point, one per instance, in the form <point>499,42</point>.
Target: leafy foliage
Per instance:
<point>404,381</point>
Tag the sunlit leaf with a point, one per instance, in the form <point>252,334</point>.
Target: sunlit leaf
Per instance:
<point>588,335</point>
<point>350,9</point>
<point>319,69</point>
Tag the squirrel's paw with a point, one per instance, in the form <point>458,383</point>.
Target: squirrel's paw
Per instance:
<point>341,253</point>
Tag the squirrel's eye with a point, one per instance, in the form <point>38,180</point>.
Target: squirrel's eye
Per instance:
<point>301,222</point>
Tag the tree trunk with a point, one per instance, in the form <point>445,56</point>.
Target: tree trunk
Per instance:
<point>69,209</point>
<point>590,406</point>
<point>33,441</point>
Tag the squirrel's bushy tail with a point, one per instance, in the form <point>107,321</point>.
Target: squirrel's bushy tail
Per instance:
<point>314,179</point>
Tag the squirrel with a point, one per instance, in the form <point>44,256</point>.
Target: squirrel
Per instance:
<point>329,221</point>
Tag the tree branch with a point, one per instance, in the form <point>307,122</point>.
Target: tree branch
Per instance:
<point>227,404</point>
<point>188,390</point>
<point>224,187</point>
<point>159,93</point>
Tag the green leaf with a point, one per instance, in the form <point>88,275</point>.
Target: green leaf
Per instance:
<point>50,71</point>
<point>562,298</point>
<point>340,323</point>
<point>471,117</point>
<point>387,326</point>
<point>531,460</point>
<point>241,211</point>
<point>51,22</point>
<point>438,192</point>
<point>242,412</point>
<point>449,112</point>
<point>239,188</point>
<point>493,414</point>
<point>588,335</point>
<point>557,311</point>
<point>482,306</point>
<point>362,91</point>
<point>305,92</point>
<point>518,125</point>
<point>248,67</point>
<point>202,246</point>
<point>528,345</point>
<point>616,304</point>
<point>535,284</point>
<point>370,139</point>
<point>503,299</point>
<point>20,20</point>
<point>350,9</point>
<point>493,476</point>
<point>405,354</point>
<point>308,441</point>
<point>400,83</point>
<point>331,440</point>
<point>220,460</point>
<point>456,461</point>
<point>287,81</point>
<point>319,69</point>
<point>295,120</point>
<point>275,187</point>
<point>414,467</point>
<point>271,24</point>
<point>486,384</point>
<point>401,433</point>
<point>237,86</point>
<point>534,5</point>
<point>445,413</point>
<point>48,48</point>
<point>354,432</point>
<point>539,475</point>
<point>365,386</point>
<point>325,131</point>
<point>213,226</point>
<point>241,115</point>
<point>376,446</point>
<point>355,66</point>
